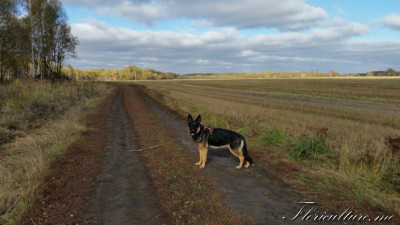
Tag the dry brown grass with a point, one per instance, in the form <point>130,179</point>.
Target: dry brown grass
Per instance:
<point>56,124</point>
<point>357,116</point>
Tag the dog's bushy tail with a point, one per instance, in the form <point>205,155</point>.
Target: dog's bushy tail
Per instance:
<point>245,153</point>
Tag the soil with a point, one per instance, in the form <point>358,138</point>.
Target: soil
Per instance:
<point>123,193</point>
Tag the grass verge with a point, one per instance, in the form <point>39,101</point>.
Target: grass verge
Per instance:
<point>49,118</point>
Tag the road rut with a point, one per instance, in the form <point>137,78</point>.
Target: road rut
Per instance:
<point>123,193</point>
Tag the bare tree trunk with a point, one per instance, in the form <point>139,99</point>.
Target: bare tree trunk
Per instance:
<point>33,52</point>
<point>1,74</point>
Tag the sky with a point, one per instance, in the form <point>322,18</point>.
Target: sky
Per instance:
<point>208,36</point>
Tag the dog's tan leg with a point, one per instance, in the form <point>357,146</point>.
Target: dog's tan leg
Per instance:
<point>204,151</point>
<point>235,153</point>
<point>201,157</point>
<point>241,158</point>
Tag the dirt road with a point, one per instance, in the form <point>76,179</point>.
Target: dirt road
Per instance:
<point>116,188</point>
<point>252,191</point>
<point>123,193</point>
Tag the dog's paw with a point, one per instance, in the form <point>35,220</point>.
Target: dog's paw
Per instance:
<point>198,163</point>
<point>202,166</point>
<point>238,167</point>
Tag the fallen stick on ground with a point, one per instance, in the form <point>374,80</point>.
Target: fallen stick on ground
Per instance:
<point>141,149</point>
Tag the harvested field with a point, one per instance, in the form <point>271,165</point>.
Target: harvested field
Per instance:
<point>335,135</point>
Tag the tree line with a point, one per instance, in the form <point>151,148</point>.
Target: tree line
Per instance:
<point>260,75</point>
<point>128,73</point>
<point>388,72</point>
<point>35,39</point>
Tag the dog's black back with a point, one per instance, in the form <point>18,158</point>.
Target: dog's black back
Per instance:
<point>222,137</point>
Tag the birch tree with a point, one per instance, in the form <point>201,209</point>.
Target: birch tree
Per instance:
<point>7,36</point>
<point>34,40</point>
<point>52,41</point>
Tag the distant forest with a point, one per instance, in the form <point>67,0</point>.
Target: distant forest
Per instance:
<point>135,73</point>
<point>128,73</point>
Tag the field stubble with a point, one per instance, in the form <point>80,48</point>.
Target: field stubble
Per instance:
<point>338,131</point>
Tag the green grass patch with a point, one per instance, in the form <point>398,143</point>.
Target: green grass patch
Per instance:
<point>275,139</point>
<point>309,148</point>
<point>301,148</point>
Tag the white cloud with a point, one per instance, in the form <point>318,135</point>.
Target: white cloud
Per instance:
<point>203,61</point>
<point>226,50</point>
<point>247,53</point>
<point>341,32</point>
<point>318,36</point>
<point>283,15</point>
<point>391,21</point>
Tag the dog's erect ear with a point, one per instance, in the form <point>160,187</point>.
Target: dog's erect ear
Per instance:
<point>198,119</point>
<point>190,118</point>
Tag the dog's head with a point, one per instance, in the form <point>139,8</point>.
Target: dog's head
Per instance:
<point>194,125</point>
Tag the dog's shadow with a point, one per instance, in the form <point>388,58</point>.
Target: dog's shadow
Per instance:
<point>220,152</point>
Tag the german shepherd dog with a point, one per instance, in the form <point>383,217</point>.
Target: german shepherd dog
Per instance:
<point>217,137</point>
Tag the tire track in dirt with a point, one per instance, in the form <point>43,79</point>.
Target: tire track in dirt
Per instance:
<point>123,193</point>
<point>252,191</point>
